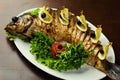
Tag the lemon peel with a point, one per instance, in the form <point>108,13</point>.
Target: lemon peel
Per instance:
<point>83,26</point>
<point>48,18</point>
<point>98,32</point>
<point>103,55</point>
<point>64,16</point>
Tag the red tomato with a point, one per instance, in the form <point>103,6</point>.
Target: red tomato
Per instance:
<point>57,47</point>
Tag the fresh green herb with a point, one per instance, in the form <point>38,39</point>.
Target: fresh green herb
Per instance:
<point>10,36</point>
<point>13,37</point>
<point>41,46</point>
<point>72,58</point>
<point>35,12</point>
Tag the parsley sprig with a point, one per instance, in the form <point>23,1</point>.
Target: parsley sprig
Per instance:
<point>72,58</point>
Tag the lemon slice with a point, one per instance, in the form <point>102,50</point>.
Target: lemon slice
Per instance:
<point>63,22</point>
<point>82,20</point>
<point>44,15</point>
<point>64,16</point>
<point>97,34</point>
<point>102,55</point>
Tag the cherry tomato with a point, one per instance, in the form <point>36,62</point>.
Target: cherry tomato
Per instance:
<point>57,48</point>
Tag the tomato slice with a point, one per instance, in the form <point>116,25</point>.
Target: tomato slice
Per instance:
<point>57,48</point>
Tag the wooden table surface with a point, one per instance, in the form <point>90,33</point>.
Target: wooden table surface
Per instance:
<point>13,66</point>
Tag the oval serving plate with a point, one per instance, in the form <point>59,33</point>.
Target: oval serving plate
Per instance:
<point>86,72</point>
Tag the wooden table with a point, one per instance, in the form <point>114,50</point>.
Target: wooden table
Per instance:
<point>13,66</point>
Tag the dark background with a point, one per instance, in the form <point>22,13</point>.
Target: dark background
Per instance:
<point>13,66</point>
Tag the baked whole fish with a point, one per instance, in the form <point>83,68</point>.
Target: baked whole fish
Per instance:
<point>63,25</point>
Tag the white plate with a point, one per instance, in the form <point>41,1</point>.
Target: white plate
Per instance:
<point>85,73</point>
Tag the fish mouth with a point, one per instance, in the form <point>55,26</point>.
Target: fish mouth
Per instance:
<point>10,28</point>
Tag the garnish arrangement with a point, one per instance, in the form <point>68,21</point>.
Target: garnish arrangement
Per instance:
<point>56,55</point>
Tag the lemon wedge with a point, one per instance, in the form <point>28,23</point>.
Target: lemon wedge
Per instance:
<point>102,54</point>
<point>44,15</point>
<point>81,24</point>
<point>64,16</point>
<point>97,34</point>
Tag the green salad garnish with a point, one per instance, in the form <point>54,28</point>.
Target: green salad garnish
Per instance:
<point>72,58</point>
<point>35,12</point>
<point>41,46</point>
<point>13,37</point>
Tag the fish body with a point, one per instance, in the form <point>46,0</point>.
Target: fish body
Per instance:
<point>61,25</point>
<point>26,24</point>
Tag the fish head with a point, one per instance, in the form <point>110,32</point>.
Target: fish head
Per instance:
<point>20,24</point>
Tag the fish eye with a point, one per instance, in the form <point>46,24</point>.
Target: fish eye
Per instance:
<point>15,19</point>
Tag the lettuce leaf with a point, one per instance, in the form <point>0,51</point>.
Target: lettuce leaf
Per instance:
<point>72,58</point>
<point>13,37</point>
<point>35,12</point>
